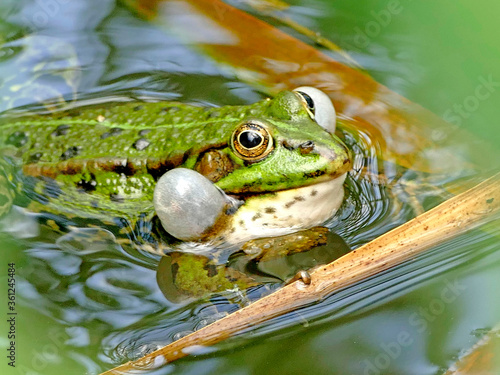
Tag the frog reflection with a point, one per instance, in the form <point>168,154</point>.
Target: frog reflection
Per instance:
<point>187,276</point>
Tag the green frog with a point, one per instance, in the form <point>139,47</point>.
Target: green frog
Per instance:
<point>176,177</point>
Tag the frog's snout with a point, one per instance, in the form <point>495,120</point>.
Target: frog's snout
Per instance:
<point>309,147</point>
<point>336,156</point>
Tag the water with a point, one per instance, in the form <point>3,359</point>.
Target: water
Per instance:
<point>85,307</point>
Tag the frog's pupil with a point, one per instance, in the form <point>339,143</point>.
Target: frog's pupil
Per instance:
<point>250,139</point>
<point>309,101</point>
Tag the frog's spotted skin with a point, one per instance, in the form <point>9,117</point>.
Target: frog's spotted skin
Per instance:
<point>103,164</point>
<point>286,211</point>
<point>128,138</point>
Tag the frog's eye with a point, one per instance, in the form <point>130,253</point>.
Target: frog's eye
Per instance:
<point>319,106</point>
<point>252,141</point>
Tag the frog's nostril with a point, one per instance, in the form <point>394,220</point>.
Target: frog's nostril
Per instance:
<point>306,147</point>
<point>289,146</point>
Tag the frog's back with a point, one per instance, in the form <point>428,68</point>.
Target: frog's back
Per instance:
<point>127,137</point>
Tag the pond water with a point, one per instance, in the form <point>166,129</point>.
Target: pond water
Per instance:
<point>86,307</point>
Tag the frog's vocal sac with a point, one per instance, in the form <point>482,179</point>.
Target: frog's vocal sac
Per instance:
<point>211,175</point>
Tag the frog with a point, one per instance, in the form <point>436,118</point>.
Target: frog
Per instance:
<point>173,177</point>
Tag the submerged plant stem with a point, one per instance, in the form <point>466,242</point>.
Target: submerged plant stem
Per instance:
<point>451,218</point>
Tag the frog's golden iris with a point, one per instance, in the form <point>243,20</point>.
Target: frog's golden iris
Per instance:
<point>252,141</point>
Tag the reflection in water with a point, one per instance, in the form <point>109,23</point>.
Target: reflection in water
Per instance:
<point>184,276</point>
<point>39,68</point>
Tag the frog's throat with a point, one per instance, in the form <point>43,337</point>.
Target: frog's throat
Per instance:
<point>286,211</point>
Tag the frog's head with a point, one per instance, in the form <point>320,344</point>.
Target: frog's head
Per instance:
<point>290,144</point>
<point>291,167</point>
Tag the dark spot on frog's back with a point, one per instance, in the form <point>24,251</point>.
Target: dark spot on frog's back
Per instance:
<point>213,114</point>
<point>157,168</point>
<point>33,158</point>
<point>74,112</point>
<point>124,167</point>
<point>70,153</point>
<point>143,132</point>
<point>270,210</point>
<point>138,108</point>
<point>17,139</point>
<point>60,130</point>
<point>112,132</point>
<point>141,144</point>
<point>87,185</point>
<point>170,109</point>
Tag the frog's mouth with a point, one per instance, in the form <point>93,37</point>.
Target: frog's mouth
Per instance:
<point>286,211</point>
